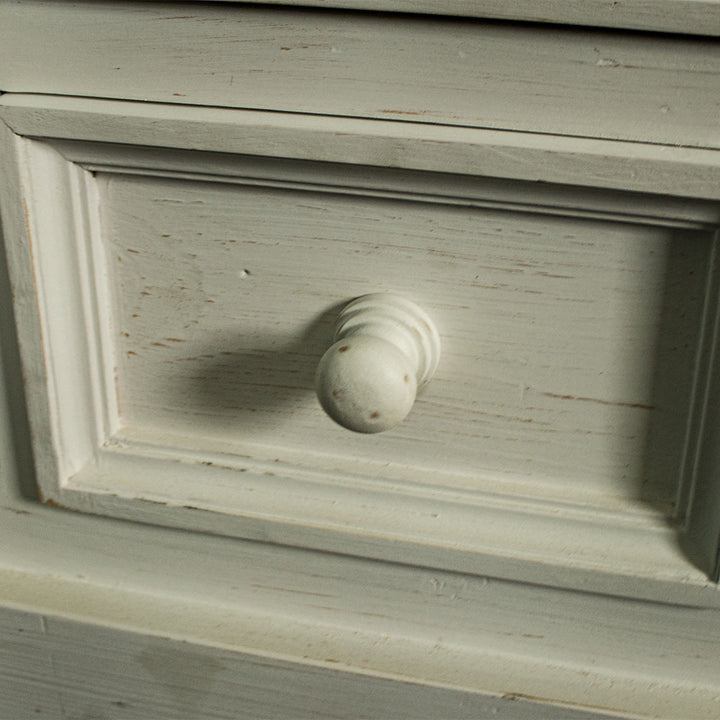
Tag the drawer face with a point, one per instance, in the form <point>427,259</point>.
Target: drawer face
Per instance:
<point>388,66</point>
<point>173,304</point>
<point>568,343</point>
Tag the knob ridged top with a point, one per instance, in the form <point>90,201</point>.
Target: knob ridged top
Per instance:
<point>385,348</point>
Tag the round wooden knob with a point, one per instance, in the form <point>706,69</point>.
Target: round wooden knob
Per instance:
<point>386,347</point>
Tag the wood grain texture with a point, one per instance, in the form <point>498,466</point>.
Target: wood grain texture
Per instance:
<point>315,229</point>
<point>696,16</point>
<point>418,69</point>
<point>243,617</point>
<point>58,669</point>
<point>367,618</point>
<point>185,622</point>
<point>222,314</point>
<point>676,172</point>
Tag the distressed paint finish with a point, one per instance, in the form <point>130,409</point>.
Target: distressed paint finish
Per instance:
<point>105,618</point>
<point>338,613</point>
<point>385,348</point>
<point>56,669</point>
<point>222,299</point>
<point>253,608</point>
<point>459,72</point>
<point>677,16</point>
<point>171,248</point>
<point>366,148</point>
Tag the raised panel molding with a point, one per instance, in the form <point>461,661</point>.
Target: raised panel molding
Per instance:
<point>83,207</point>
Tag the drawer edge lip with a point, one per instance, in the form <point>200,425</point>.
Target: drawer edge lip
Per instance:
<point>654,568</point>
<point>623,165</point>
<point>130,137</point>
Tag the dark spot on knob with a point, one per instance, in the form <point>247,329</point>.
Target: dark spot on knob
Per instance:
<point>375,415</point>
<point>344,348</point>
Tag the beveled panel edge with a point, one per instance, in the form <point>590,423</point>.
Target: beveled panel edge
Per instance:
<point>642,167</point>
<point>57,292</point>
<point>702,523</point>
<point>329,179</point>
<point>503,194</point>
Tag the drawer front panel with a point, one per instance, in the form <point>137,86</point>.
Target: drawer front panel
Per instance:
<point>178,302</point>
<point>568,343</point>
<point>409,68</point>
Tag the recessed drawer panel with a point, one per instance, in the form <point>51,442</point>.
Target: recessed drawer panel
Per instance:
<point>568,343</point>
<point>184,299</point>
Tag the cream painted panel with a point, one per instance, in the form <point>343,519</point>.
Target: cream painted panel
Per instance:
<point>568,344</point>
<point>689,16</point>
<point>56,668</point>
<point>460,72</point>
<point>90,605</point>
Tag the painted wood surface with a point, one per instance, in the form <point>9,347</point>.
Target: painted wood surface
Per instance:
<point>59,669</point>
<point>696,16</point>
<point>671,172</point>
<point>331,613</point>
<point>250,611</point>
<point>224,300</point>
<point>433,70</point>
<point>211,229</point>
<point>122,599</point>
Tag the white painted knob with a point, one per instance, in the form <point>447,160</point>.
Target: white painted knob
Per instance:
<point>385,348</point>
